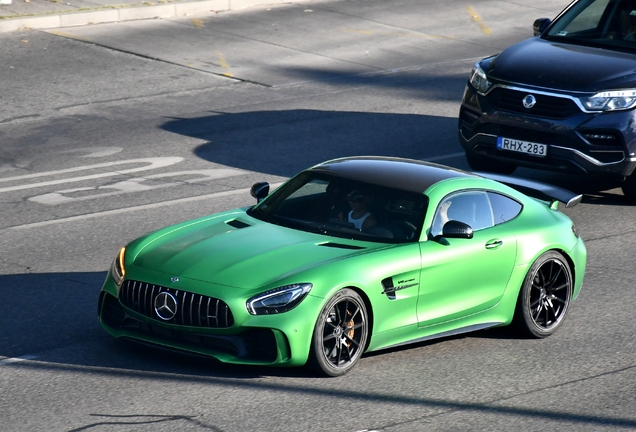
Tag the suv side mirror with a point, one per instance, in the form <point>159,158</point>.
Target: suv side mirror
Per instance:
<point>260,191</point>
<point>540,25</point>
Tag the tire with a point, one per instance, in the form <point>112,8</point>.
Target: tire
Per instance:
<point>629,187</point>
<point>545,296</point>
<point>340,334</point>
<point>480,163</point>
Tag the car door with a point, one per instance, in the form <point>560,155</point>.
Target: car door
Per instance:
<point>462,276</point>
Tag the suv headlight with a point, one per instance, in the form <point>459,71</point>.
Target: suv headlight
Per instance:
<point>118,270</point>
<point>479,80</point>
<point>610,100</point>
<point>278,300</point>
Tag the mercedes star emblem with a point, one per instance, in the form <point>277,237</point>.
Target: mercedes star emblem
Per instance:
<point>165,306</point>
<point>529,101</point>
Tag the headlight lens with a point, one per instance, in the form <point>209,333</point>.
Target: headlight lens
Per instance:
<point>118,269</point>
<point>278,300</point>
<point>610,100</point>
<point>479,80</point>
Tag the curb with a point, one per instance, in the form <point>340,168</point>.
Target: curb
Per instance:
<point>121,13</point>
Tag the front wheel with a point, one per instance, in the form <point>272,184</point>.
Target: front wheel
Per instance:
<point>480,163</point>
<point>340,335</point>
<point>545,296</point>
<point>629,187</point>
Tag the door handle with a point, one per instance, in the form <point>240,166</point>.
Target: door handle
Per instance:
<point>494,244</point>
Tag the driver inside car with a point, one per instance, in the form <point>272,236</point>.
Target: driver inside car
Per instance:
<point>360,215</point>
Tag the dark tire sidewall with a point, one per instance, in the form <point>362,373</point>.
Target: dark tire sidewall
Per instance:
<point>317,360</point>
<point>523,313</point>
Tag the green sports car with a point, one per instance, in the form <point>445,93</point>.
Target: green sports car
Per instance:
<point>351,256</point>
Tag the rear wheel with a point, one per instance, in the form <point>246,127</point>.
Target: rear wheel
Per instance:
<point>480,163</point>
<point>545,296</point>
<point>340,335</point>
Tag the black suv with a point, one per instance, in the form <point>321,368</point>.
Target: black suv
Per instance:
<point>563,100</point>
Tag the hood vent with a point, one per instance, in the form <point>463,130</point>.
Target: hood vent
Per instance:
<point>341,246</point>
<point>237,224</point>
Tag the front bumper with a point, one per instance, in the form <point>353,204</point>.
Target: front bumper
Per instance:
<point>282,339</point>
<point>574,143</point>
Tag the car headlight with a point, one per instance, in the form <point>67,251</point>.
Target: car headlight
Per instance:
<point>118,270</point>
<point>278,300</point>
<point>479,80</point>
<point>610,100</point>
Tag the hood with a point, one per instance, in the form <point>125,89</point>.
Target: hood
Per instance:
<point>245,253</point>
<point>543,63</point>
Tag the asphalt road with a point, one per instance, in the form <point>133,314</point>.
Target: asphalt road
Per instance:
<point>110,131</point>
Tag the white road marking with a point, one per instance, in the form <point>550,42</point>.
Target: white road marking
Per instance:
<point>95,151</point>
<point>134,185</point>
<point>12,360</point>
<point>153,163</point>
<point>137,208</point>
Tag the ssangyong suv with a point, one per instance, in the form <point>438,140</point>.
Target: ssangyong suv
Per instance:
<point>563,100</point>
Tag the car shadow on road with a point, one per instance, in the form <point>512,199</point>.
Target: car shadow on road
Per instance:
<point>50,325</point>
<point>285,142</point>
<point>52,318</point>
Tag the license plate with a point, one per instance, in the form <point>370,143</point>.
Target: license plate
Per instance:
<point>526,147</point>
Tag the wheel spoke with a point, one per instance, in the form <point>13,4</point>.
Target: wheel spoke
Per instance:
<point>559,287</point>
<point>554,277</point>
<point>328,336</point>
<point>354,314</point>
<point>352,340</point>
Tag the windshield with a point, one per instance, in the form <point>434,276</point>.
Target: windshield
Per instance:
<point>338,207</point>
<point>607,23</point>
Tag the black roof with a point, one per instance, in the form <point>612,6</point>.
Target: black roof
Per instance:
<point>406,174</point>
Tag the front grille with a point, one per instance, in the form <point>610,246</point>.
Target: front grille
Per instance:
<point>192,309</point>
<point>253,344</point>
<point>553,107</point>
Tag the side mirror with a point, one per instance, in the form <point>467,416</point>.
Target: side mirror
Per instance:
<point>540,25</point>
<point>260,191</point>
<point>457,229</point>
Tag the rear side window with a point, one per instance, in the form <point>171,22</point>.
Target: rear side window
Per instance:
<point>503,208</point>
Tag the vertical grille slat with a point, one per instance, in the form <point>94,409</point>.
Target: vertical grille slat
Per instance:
<point>216,314</point>
<point>191,307</point>
<point>140,297</point>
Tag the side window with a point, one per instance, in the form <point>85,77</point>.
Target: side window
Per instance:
<point>473,208</point>
<point>503,208</point>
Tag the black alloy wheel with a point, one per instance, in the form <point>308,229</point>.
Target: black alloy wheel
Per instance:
<point>340,335</point>
<point>545,296</point>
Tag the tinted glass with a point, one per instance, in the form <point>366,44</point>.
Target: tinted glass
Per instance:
<point>503,208</point>
<point>598,22</point>
<point>472,208</point>
<point>339,207</point>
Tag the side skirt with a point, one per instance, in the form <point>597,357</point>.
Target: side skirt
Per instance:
<point>449,333</point>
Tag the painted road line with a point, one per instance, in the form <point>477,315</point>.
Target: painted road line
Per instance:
<point>484,28</point>
<point>136,208</point>
<point>153,163</point>
<point>132,185</point>
<point>224,64</point>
